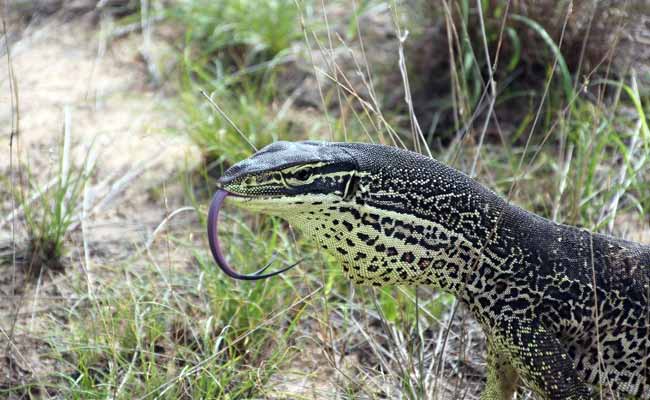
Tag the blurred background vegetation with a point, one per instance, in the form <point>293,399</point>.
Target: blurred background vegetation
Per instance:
<point>544,102</point>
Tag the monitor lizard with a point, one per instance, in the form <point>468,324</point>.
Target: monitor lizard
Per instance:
<point>564,310</point>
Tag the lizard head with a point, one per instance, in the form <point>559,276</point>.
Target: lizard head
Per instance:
<point>315,186</point>
<point>289,179</point>
<point>388,215</point>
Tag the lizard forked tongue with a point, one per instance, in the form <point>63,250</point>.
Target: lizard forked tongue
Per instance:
<point>215,245</point>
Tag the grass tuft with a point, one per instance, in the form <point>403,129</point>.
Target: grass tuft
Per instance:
<point>52,210</point>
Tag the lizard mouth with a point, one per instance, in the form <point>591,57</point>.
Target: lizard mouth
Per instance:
<point>215,245</point>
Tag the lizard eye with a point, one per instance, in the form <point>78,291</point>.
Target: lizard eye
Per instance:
<point>302,175</point>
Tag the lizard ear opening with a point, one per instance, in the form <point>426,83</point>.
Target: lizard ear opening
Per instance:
<point>351,187</point>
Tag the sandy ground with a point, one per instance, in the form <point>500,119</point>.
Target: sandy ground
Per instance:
<point>106,87</point>
<point>118,113</point>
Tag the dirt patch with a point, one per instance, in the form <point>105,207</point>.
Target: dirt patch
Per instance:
<point>106,88</point>
<point>115,110</point>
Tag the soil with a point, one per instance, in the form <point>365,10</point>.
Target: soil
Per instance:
<point>118,112</point>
